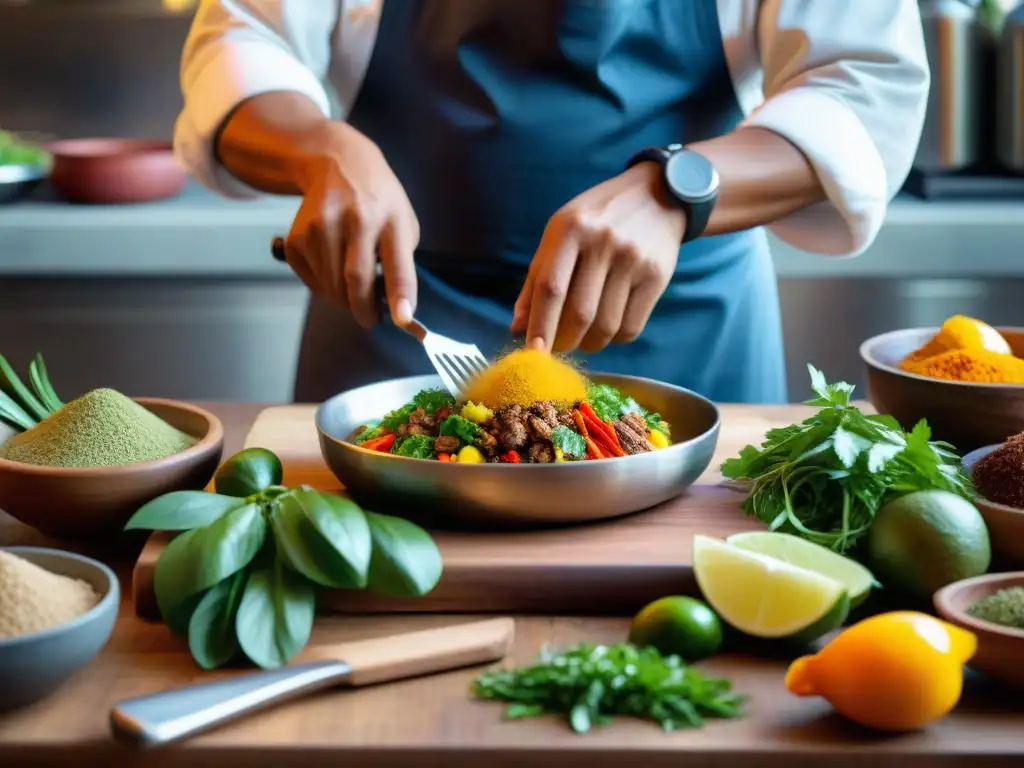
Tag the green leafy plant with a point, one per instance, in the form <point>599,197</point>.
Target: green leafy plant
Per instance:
<point>825,478</point>
<point>23,406</point>
<point>591,684</point>
<point>241,575</point>
<point>16,151</point>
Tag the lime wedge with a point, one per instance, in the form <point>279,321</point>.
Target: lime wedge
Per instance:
<point>813,557</point>
<point>764,597</point>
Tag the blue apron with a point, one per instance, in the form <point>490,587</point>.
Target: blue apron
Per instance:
<point>494,114</point>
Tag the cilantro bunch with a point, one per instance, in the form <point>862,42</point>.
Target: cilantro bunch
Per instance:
<point>825,478</point>
<point>590,684</point>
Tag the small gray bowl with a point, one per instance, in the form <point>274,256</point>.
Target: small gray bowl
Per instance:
<point>34,666</point>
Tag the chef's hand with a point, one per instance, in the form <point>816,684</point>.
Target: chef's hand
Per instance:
<point>604,261</point>
<point>353,212</point>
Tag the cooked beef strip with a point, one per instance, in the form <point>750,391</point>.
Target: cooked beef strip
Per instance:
<point>546,411</point>
<point>446,444</point>
<point>630,438</point>
<point>539,429</point>
<point>542,453</point>
<point>488,443</point>
<point>421,418</point>
<point>512,432</point>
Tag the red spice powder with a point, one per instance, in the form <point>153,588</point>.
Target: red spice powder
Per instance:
<point>999,477</point>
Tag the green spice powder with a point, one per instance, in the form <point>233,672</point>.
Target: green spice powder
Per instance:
<point>1004,607</point>
<point>102,428</point>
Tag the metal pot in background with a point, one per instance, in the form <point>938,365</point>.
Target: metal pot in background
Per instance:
<point>961,53</point>
<point>1010,99</point>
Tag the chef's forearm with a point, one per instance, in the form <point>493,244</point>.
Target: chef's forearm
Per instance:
<point>763,178</point>
<point>271,140</point>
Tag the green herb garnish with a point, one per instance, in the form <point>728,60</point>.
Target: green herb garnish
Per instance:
<point>240,579</point>
<point>456,426</point>
<point>414,446</point>
<point>570,443</point>
<point>433,400</point>
<point>370,431</point>
<point>610,405</point>
<point>430,400</point>
<point>591,684</point>
<point>825,478</point>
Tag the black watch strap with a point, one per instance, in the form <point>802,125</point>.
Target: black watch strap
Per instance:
<point>697,214</point>
<point>697,218</point>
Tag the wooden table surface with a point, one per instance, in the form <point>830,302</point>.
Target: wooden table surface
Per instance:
<point>433,722</point>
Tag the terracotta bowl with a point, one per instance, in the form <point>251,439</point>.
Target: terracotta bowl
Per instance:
<point>97,502</point>
<point>1000,649</point>
<point>1005,524</point>
<point>115,170</point>
<point>968,415</point>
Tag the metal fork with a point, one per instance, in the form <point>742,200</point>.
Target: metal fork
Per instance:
<point>456,363</point>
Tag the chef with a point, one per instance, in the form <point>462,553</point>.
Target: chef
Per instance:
<point>593,175</point>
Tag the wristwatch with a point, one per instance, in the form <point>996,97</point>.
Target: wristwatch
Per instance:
<point>691,181</point>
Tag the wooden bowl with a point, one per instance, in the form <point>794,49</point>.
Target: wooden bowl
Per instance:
<point>1005,524</point>
<point>115,170</point>
<point>968,415</point>
<point>97,502</point>
<point>1000,649</point>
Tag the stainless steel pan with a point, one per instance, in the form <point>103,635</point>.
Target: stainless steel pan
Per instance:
<point>517,494</point>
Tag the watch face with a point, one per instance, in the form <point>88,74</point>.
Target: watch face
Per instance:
<point>691,176</point>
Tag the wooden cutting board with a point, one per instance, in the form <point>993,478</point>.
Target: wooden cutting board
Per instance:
<point>608,568</point>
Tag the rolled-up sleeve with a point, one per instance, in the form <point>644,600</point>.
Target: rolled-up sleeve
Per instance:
<point>237,49</point>
<point>847,83</point>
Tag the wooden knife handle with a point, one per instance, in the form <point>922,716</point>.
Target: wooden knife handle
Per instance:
<point>420,653</point>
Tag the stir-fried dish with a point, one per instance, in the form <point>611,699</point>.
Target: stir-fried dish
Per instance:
<point>529,407</point>
<point>604,424</point>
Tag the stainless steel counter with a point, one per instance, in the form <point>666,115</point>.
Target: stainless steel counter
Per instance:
<point>182,299</point>
<point>201,234</point>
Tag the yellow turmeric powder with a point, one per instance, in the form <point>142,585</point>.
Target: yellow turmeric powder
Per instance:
<point>977,365</point>
<point>961,332</point>
<point>525,377</point>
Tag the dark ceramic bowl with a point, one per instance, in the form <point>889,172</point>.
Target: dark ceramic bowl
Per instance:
<point>115,170</point>
<point>1005,524</point>
<point>34,666</point>
<point>968,415</point>
<point>97,502</point>
<point>1000,649</point>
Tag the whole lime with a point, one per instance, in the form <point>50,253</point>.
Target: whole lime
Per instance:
<point>678,625</point>
<point>247,472</point>
<point>925,540</point>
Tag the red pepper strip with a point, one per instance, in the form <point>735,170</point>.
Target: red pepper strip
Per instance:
<point>511,457</point>
<point>444,457</point>
<point>593,452</point>
<point>609,429</point>
<point>600,436</point>
<point>581,425</point>
<point>382,443</point>
<point>443,414</point>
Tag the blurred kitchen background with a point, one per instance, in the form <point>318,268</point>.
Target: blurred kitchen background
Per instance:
<point>180,298</point>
